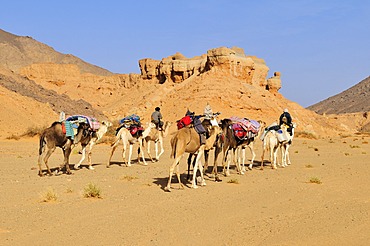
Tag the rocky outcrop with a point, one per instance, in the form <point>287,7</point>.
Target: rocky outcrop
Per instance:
<point>273,84</point>
<point>230,61</point>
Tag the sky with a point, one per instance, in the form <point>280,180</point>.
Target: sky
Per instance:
<point>321,47</point>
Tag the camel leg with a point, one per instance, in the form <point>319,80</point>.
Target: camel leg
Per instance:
<point>148,151</point>
<point>243,159</point>
<point>162,149</point>
<point>172,168</point>
<point>274,156</point>
<point>66,153</point>
<point>235,160</point>
<point>287,154</point>
<point>206,156</point>
<point>114,147</point>
<point>190,158</point>
<point>77,166</point>
<point>215,171</point>
<point>250,146</point>
<point>141,148</point>
<point>129,155</point>
<point>197,161</point>
<point>46,158</point>
<point>89,154</point>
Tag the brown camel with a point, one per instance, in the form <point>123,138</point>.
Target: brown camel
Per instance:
<point>230,142</point>
<point>207,124</point>
<point>157,137</point>
<point>188,140</point>
<point>88,144</point>
<point>250,145</point>
<point>53,137</point>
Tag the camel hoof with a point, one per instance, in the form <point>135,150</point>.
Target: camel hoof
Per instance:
<point>76,167</point>
<point>91,168</point>
<point>194,186</point>
<point>168,189</point>
<point>107,166</point>
<point>145,164</point>
<point>128,165</point>
<point>250,168</point>
<point>217,179</point>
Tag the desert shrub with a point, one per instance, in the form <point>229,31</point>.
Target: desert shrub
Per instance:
<point>315,180</point>
<point>128,178</point>
<point>304,134</point>
<point>49,196</point>
<point>233,181</point>
<point>91,190</point>
<point>13,137</point>
<point>309,166</point>
<point>354,146</point>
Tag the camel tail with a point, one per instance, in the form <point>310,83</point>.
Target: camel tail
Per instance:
<point>174,145</point>
<point>42,143</point>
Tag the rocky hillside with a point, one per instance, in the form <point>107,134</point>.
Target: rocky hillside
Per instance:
<point>353,100</point>
<point>232,82</point>
<point>18,51</point>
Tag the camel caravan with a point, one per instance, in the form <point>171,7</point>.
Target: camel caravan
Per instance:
<point>196,135</point>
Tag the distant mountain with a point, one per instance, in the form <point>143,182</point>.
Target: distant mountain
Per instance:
<point>19,51</point>
<point>355,99</point>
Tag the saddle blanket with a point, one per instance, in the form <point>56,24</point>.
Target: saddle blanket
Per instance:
<point>248,125</point>
<point>93,123</point>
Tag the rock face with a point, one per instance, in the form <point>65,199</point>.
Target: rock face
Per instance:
<point>228,61</point>
<point>274,83</point>
<point>17,52</point>
<point>352,100</point>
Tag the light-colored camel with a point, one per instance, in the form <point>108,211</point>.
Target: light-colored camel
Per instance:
<point>157,137</point>
<point>126,137</point>
<point>272,143</point>
<point>250,145</point>
<point>187,140</point>
<point>88,144</point>
<point>53,137</point>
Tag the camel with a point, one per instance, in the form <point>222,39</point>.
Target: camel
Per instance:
<point>157,137</point>
<point>250,145</point>
<point>88,144</point>
<point>207,124</point>
<point>53,137</point>
<point>230,142</point>
<point>127,138</point>
<point>188,140</point>
<point>271,143</point>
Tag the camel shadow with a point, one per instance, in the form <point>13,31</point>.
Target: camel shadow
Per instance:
<point>162,182</point>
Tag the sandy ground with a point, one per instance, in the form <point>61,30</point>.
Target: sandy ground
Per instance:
<point>269,207</point>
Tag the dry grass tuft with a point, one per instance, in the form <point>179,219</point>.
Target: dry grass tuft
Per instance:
<point>92,191</point>
<point>49,196</point>
<point>305,134</point>
<point>13,137</point>
<point>128,178</point>
<point>315,180</point>
<point>233,181</point>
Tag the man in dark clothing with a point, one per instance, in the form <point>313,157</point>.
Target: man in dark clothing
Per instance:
<point>157,117</point>
<point>286,119</point>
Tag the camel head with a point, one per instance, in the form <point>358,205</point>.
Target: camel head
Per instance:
<point>83,131</point>
<point>106,123</point>
<point>213,133</point>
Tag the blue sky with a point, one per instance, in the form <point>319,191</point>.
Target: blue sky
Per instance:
<point>321,47</point>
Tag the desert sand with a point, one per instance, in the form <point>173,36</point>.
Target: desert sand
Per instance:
<point>269,207</point>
